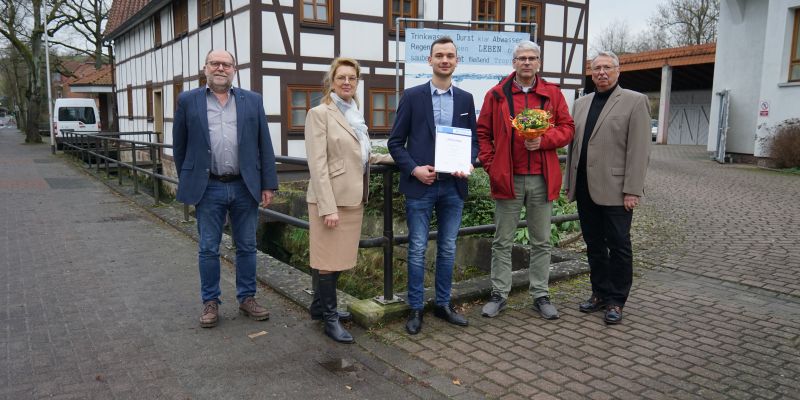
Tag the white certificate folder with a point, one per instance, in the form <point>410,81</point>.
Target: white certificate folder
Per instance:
<point>453,149</point>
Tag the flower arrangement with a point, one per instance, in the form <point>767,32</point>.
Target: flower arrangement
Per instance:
<point>531,123</point>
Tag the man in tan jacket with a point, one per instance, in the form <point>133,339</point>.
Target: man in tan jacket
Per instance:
<point>607,163</point>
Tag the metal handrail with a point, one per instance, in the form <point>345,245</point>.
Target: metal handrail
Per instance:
<point>387,241</point>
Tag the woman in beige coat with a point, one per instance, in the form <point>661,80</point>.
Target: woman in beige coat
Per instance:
<point>338,149</point>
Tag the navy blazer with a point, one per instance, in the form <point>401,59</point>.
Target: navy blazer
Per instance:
<point>413,138</point>
<point>192,145</point>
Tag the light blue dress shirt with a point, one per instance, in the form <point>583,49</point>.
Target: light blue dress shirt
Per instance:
<point>442,105</point>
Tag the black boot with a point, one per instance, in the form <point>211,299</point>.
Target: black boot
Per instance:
<point>316,306</point>
<point>327,296</point>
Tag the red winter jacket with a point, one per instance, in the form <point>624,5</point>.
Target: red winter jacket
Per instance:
<point>496,136</point>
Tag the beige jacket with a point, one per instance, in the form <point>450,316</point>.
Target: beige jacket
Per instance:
<point>619,148</point>
<point>334,161</point>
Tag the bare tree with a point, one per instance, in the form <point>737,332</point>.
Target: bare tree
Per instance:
<point>688,22</point>
<point>13,83</point>
<point>86,19</point>
<point>615,37</point>
<point>22,24</point>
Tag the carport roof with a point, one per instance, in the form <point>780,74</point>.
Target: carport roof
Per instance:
<point>692,68</point>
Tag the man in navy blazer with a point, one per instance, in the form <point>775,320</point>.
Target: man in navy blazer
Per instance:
<point>226,166</point>
<point>412,145</point>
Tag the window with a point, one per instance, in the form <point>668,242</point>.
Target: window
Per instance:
<point>301,99</point>
<point>79,114</point>
<point>487,10</point>
<point>383,105</point>
<point>177,88</point>
<point>130,101</point>
<point>794,64</point>
<point>402,9</point>
<point>149,100</point>
<point>180,16</point>
<point>157,30</point>
<point>209,9</point>
<point>529,12</point>
<point>317,12</point>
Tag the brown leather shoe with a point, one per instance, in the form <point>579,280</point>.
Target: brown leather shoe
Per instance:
<point>250,308</point>
<point>210,314</point>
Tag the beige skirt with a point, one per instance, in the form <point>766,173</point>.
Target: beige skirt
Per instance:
<point>334,249</point>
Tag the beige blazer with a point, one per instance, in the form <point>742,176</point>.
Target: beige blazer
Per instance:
<point>619,148</point>
<point>334,161</point>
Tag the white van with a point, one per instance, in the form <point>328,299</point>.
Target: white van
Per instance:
<point>79,115</point>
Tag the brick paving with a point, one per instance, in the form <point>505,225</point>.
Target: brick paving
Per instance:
<point>714,312</point>
<point>99,300</point>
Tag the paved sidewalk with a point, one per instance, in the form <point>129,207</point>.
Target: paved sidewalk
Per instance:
<point>714,311</point>
<point>100,301</point>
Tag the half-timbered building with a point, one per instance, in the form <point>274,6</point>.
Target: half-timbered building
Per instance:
<point>283,47</point>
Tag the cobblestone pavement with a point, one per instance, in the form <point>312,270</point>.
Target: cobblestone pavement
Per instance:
<point>714,312</point>
<point>98,300</point>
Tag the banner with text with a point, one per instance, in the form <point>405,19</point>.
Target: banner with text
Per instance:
<point>484,58</point>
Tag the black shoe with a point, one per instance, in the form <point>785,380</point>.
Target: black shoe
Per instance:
<point>414,323</point>
<point>592,304</point>
<point>327,297</point>
<point>613,314</point>
<point>449,314</point>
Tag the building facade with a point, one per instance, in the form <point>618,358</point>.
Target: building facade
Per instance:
<point>283,48</point>
<point>758,63</point>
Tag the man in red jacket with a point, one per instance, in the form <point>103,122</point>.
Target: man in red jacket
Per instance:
<point>522,172</point>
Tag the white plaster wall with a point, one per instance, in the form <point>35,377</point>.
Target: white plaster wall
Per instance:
<point>362,40</point>
<point>374,8</point>
<point>577,66</point>
<point>393,48</point>
<point>314,45</point>
<point>572,22</point>
<point>275,136</point>
<point>733,72</point>
<point>241,22</point>
<point>429,9</point>
<point>243,79</point>
<point>456,10</point>
<point>551,57</point>
<point>554,20</point>
<point>272,94</point>
<point>271,40</point>
<point>783,98</point>
<point>296,148</point>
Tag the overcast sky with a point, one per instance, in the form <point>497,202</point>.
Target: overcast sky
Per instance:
<point>603,13</point>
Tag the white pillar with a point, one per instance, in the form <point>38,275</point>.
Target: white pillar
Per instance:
<point>663,104</point>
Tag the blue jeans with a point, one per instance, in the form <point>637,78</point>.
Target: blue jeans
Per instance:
<point>219,200</point>
<point>443,197</point>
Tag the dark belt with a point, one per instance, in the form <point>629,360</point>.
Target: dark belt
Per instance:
<point>225,178</point>
<point>443,176</point>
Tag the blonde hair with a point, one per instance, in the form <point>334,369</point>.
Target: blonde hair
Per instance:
<point>327,82</point>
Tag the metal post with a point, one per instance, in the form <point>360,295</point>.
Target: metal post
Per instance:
<point>155,172</point>
<point>49,78</point>
<point>96,153</point>
<point>119,163</point>
<point>105,158</point>
<point>134,171</point>
<point>388,235</point>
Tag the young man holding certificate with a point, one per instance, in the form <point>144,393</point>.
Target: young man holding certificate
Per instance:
<point>429,115</point>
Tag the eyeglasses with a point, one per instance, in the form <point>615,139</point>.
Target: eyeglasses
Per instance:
<point>217,64</point>
<point>603,68</point>
<point>345,78</point>
<point>527,59</point>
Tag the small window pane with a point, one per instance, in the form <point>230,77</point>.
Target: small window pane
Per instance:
<point>379,101</point>
<point>795,75</point>
<point>298,99</point>
<point>391,116</point>
<point>322,13</point>
<point>298,117</point>
<point>378,119</point>
<point>308,11</point>
<point>316,98</point>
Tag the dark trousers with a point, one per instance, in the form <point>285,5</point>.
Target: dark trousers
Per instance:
<point>606,231</point>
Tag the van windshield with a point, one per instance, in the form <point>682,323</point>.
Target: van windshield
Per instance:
<point>77,114</point>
